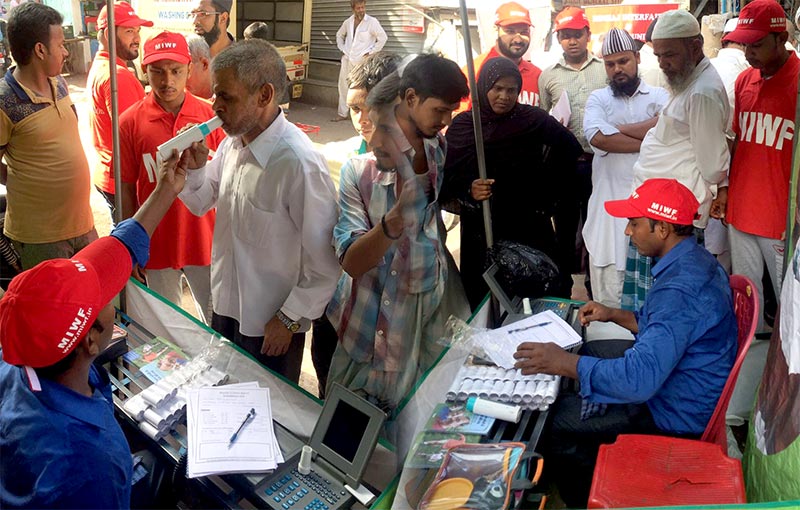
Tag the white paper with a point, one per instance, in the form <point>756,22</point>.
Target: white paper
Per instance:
<point>562,111</point>
<point>213,416</point>
<point>501,343</point>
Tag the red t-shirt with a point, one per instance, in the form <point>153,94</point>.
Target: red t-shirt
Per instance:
<point>530,79</point>
<point>763,123</point>
<point>129,90</point>
<point>181,239</point>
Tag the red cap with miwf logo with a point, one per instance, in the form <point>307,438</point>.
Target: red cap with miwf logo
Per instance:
<point>49,309</point>
<point>658,199</point>
<point>124,16</point>
<point>758,19</point>
<point>166,46</point>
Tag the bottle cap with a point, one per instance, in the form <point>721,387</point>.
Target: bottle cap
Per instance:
<point>471,403</point>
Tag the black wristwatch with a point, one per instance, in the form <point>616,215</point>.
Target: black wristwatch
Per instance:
<point>291,325</point>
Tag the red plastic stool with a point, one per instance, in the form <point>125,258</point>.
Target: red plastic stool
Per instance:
<point>639,470</point>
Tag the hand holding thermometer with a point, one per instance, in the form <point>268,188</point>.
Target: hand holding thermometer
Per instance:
<point>184,140</point>
<point>235,435</point>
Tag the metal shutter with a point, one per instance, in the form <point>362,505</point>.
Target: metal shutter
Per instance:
<point>328,15</point>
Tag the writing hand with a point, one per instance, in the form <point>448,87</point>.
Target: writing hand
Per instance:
<point>549,358</point>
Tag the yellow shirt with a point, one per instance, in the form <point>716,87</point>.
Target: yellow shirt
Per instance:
<point>48,176</point>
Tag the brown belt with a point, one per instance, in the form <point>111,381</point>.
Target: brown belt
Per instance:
<point>586,157</point>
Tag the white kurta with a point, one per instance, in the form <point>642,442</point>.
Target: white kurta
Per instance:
<point>689,141</point>
<point>612,173</point>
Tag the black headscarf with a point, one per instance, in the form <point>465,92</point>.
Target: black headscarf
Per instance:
<point>495,127</point>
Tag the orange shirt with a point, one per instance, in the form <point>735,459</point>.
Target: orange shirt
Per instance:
<point>758,196</point>
<point>129,90</point>
<point>530,79</point>
<point>181,239</point>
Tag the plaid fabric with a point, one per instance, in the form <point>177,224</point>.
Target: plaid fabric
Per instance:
<point>638,279</point>
<point>375,315</point>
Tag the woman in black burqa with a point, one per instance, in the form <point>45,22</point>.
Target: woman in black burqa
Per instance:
<point>530,161</point>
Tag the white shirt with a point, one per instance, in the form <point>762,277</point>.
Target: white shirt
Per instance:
<point>649,70</point>
<point>612,172</point>
<point>729,62</point>
<point>688,143</point>
<point>276,208</point>
<point>369,37</point>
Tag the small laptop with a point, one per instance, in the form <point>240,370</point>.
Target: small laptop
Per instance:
<point>343,441</point>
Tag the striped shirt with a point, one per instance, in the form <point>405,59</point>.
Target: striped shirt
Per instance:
<point>375,314</point>
<point>578,83</point>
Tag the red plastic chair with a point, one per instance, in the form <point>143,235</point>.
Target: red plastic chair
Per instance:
<point>671,471</point>
<point>745,304</point>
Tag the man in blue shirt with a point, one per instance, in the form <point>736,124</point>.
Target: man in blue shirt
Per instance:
<point>60,444</point>
<point>669,379</point>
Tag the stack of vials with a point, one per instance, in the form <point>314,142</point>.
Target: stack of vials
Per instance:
<point>498,384</point>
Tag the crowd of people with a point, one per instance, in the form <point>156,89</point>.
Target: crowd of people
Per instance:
<point>625,188</point>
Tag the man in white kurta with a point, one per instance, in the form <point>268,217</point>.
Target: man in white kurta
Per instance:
<point>689,140</point>
<point>616,119</point>
<point>359,36</point>
<point>688,143</point>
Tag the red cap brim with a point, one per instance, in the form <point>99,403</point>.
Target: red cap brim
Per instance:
<point>743,36</point>
<point>622,209</point>
<point>176,57</point>
<point>135,22</point>
<point>112,262</point>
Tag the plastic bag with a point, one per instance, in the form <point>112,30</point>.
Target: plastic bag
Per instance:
<point>465,338</point>
<point>524,271</point>
<point>475,476</point>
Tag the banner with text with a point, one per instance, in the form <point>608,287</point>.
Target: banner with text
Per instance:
<point>633,18</point>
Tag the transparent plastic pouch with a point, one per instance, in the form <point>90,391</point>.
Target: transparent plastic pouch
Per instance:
<point>474,476</point>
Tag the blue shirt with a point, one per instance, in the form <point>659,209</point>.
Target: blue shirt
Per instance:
<point>685,348</point>
<point>60,448</point>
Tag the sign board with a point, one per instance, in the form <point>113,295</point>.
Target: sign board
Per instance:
<point>633,18</point>
<point>413,21</point>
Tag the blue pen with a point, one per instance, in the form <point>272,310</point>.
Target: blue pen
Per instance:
<point>529,327</point>
<point>235,435</point>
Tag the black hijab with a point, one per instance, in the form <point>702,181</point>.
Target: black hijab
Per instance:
<point>495,127</point>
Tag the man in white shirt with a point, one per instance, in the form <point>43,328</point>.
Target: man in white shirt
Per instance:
<point>729,63</point>
<point>688,143</point>
<point>616,120</point>
<point>359,36</point>
<point>273,267</point>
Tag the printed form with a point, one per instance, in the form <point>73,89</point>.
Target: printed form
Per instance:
<point>214,414</point>
<point>501,343</point>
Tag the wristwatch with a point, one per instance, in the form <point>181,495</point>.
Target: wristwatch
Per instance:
<point>291,325</point>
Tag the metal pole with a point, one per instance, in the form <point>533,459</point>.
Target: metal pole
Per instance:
<point>111,35</point>
<point>476,119</point>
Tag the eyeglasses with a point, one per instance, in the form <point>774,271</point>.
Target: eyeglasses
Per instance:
<point>203,14</point>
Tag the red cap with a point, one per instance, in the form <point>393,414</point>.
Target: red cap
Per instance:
<point>48,309</point>
<point>166,46</point>
<point>512,13</point>
<point>124,16</point>
<point>658,199</point>
<point>572,18</point>
<point>756,20</point>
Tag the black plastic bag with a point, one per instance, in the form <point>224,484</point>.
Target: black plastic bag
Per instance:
<point>524,271</point>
